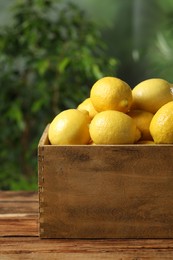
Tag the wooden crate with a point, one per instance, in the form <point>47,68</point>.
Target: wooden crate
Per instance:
<point>116,191</point>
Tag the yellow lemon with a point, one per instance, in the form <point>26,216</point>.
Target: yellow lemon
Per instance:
<point>113,127</point>
<point>161,126</point>
<point>69,127</point>
<point>88,106</point>
<point>110,93</point>
<point>142,119</point>
<point>151,94</point>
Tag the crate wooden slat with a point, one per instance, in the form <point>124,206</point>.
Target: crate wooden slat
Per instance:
<point>118,191</point>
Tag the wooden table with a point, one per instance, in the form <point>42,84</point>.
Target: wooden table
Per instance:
<point>19,238</point>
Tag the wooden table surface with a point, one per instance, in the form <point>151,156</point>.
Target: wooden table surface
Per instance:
<point>19,238</point>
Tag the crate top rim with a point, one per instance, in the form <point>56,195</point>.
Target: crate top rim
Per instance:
<point>44,142</point>
<point>107,145</point>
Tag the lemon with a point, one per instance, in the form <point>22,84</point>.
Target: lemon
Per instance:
<point>110,93</point>
<point>161,126</point>
<point>142,119</point>
<point>113,127</point>
<point>151,94</point>
<point>88,106</point>
<point>69,127</point>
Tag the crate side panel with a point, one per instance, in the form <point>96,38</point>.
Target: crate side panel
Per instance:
<point>107,192</point>
<point>44,140</point>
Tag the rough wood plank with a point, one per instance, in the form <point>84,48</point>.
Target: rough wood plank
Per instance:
<point>18,207</point>
<point>120,255</point>
<point>44,140</point>
<point>27,248</point>
<point>106,191</point>
<point>18,213</point>
<point>18,196</point>
<point>18,225</point>
<point>82,245</point>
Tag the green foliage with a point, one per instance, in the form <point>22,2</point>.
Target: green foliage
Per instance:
<point>138,33</point>
<point>135,27</point>
<point>49,58</point>
<point>160,54</point>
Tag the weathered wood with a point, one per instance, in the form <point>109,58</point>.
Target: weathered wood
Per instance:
<point>18,213</point>
<point>83,245</point>
<point>30,246</point>
<point>124,255</point>
<point>18,196</point>
<point>16,248</point>
<point>118,191</point>
<point>18,225</point>
<point>19,206</point>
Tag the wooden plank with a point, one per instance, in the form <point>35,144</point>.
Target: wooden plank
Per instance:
<point>106,191</point>
<point>30,247</point>
<point>120,254</point>
<point>18,225</point>
<point>44,140</point>
<point>27,248</point>
<point>82,245</point>
<point>17,207</point>
<point>18,196</point>
<point>18,213</point>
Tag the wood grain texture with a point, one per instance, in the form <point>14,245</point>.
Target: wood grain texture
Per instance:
<point>18,196</point>
<point>27,246</point>
<point>18,213</point>
<point>119,255</point>
<point>18,225</point>
<point>118,191</point>
<point>34,248</point>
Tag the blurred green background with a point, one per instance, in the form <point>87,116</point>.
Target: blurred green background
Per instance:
<point>51,53</point>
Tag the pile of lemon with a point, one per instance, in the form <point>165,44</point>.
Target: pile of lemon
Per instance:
<point>115,114</point>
